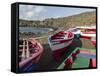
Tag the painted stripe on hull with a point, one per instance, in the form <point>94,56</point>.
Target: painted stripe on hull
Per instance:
<point>86,37</point>
<point>60,42</point>
<point>90,35</point>
<point>89,32</point>
<point>87,55</point>
<point>59,46</point>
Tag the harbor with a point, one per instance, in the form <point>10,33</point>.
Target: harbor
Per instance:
<point>59,40</point>
<point>85,56</point>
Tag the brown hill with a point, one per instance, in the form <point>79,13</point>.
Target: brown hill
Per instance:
<point>86,18</point>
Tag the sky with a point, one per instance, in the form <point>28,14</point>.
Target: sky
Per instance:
<point>35,12</point>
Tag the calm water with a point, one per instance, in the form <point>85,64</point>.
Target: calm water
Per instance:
<point>34,29</point>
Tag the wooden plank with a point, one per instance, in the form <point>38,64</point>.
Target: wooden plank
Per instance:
<point>27,51</point>
<point>23,51</point>
<point>22,45</point>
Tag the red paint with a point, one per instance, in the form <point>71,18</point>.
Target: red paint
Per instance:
<point>92,63</point>
<point>33,56</point>
<point>58,35</point>
<point>69,34</point>
<point>86,37</point>
<point>86,52</point>
<point>93,29</point>
<point>57,53</point>
<point>74,56</point>
<point>68,63</point>
<point>62,34</point>
<point>94,42</point>
<point>89,32</point>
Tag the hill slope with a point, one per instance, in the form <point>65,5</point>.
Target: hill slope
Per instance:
<point>82,19</point>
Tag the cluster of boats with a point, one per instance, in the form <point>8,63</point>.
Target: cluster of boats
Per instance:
<point>58,43</point>
<point>63,39</point>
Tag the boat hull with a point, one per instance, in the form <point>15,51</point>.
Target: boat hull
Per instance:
<point>88,35</point>
<point>59,49</point>
<point>60,46</point>
<point>59,43</point>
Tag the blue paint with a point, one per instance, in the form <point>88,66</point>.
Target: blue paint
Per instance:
<point>87,55</point>
<point>77,35</point>
<point>28,68</point>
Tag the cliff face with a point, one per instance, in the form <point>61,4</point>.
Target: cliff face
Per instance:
<point>82,19</point>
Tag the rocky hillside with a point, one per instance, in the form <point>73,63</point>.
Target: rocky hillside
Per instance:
<point>81,19</point>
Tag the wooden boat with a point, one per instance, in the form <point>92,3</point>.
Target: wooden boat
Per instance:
<point>30,51</point>
<point>59,42</point>
<point>87,31</point>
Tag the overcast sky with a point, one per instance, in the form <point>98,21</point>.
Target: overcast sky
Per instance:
<point>34,12</point>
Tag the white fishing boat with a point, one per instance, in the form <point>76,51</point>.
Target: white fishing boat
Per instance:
<point>61,40</point>
<point>87,31</point>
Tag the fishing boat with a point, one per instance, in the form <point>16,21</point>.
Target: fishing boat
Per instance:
<point>88,35</point>
<point>30,51</point>
<point>59,42</point>
<point>87,31</point>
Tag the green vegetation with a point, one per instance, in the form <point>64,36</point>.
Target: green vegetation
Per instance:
<point>82,19</point>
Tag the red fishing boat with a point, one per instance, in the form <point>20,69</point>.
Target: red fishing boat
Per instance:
<point>59,42</point>
<point>87,31</point>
